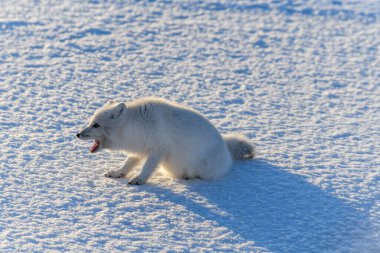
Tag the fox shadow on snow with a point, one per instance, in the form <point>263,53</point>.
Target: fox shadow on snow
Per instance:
<point>277,210</point>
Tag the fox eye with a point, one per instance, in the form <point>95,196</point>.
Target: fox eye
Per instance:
<point>96,125</point>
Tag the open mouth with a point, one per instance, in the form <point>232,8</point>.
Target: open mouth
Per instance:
<point>95,147</point>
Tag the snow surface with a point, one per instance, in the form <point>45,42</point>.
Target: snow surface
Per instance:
<point>300,78</point>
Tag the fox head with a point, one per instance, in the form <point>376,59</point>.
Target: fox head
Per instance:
<point>101,124</point>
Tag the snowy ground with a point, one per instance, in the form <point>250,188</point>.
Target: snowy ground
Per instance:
<point>300,78</point>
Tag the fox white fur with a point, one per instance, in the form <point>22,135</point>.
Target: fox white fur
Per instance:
<point>166,134</point>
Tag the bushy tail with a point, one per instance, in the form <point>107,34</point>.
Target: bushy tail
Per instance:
<point>239,147</point>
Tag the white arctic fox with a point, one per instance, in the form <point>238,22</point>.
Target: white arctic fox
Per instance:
<point>166,134</point>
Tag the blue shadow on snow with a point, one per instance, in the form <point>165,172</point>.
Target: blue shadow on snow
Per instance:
<point>273,208</point>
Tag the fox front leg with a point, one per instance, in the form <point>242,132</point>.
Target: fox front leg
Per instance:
<point>151,163</point>
<point>128,165</point>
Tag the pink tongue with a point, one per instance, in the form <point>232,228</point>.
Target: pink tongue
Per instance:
<point>95,146</point>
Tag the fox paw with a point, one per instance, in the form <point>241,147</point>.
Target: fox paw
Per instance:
<point>114,174</point>
<point>136,181</point>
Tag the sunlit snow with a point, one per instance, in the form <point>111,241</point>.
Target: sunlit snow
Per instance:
<point>299,78</point>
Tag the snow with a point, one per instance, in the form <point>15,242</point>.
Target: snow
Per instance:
<point>300,78</point>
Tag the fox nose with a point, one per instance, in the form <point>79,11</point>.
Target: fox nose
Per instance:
<point>78,135</point>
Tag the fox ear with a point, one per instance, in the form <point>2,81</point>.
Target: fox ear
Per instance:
<point>118,110</point>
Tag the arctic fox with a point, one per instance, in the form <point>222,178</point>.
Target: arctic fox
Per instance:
<point>165,134</point>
